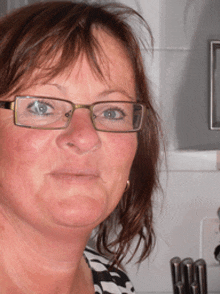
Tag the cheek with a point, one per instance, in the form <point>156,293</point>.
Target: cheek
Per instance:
<point>23,157</point>
<point>124,149</point>
<point>120,155</point>
<point>22,144</point>
<point>23,154</point>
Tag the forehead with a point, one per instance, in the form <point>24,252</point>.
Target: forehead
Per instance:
<point>111,57</point>
<point>113,61</point>
<point>115,67</point>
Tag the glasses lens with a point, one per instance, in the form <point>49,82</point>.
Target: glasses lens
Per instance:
<point>42,113</point>
<point>118,116</point>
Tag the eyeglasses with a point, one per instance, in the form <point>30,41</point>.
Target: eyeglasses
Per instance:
<point>52,113</point>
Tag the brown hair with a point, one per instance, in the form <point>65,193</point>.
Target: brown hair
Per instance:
<point>59,31</point>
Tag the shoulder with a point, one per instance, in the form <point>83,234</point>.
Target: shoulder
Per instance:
<point>106,279</point>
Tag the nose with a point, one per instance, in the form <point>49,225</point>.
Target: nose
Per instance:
<point>80,135</point>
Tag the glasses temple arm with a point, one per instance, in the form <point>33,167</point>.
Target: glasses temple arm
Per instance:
<point>7,105</point>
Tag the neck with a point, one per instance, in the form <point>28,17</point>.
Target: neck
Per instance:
<point>36,262</point>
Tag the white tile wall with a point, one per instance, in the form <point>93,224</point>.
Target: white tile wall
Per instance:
<point>189,197</point>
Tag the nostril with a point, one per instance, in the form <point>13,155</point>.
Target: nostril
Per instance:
<point>70,144</point>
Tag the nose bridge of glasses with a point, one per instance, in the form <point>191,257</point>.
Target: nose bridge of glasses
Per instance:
<point>69,114</point>
<point>78,106</point>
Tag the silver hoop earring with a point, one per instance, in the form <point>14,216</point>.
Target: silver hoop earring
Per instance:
<point>127,186</point>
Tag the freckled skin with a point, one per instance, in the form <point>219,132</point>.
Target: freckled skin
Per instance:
<point>27,156</point>
<point>46,217</point>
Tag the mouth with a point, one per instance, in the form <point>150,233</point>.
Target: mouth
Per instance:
<point>74,175</point>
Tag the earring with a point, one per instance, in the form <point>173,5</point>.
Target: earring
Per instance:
<point>127,186</point>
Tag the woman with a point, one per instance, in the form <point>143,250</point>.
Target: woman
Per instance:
<point>79,148</point>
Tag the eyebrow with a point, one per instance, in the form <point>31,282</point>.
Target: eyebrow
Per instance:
<point>59,87</point>
<point>109,92</point>
<point>103,93</point>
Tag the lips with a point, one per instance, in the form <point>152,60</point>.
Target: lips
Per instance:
<point>72,174</point>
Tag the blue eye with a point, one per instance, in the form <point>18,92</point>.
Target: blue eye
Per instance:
<point>40,108</point>
<point>114,114</point>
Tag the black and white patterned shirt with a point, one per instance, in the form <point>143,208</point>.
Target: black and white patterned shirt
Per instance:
<point>106,280</point>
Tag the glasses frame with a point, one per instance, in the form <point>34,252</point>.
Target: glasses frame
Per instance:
<point>12,106</point>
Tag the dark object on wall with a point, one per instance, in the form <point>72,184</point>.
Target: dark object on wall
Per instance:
<point>215,85</point>
<point>192,116</point>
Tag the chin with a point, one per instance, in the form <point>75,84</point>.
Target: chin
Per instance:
<point>77,211</point>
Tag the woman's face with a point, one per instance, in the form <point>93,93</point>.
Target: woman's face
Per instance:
<point>73,177</point>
